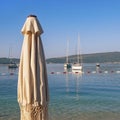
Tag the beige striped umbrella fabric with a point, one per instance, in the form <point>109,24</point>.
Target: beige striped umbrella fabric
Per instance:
<point>32,79</point>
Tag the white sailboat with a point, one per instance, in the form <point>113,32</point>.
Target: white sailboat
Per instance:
<point>12,63</point>
<point>67,65</point>
<point>77,66</point>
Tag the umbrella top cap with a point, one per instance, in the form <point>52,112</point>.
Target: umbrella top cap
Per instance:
<point>32,25</point>
<point>32,16</point>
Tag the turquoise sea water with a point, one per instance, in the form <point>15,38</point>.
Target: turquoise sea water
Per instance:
<point>94,95</point>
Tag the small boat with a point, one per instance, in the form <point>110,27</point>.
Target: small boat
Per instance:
<point>12,65</point>
<point>97,65</point>
<point>67,65</point>
<point>77,65</point>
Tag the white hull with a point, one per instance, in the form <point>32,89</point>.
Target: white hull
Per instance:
<point>76,67</point>
<point>77,71</point>
<point>65,65</point>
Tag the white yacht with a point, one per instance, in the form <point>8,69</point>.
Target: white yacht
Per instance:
<point>77,66</point>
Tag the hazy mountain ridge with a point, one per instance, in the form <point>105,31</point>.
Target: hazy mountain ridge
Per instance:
<point>89,58</point>
<point>7,60</point>
<point>86,58</point>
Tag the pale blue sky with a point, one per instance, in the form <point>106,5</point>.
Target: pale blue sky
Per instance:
<point>97,22</point>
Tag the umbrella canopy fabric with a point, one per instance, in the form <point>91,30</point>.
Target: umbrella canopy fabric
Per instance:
<point>32,79</point>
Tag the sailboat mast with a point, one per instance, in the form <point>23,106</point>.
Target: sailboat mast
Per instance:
<point>67,51</point>
<point>78,52</point>
<point>10,54</point>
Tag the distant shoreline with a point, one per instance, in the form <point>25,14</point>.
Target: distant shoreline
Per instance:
<point>106,57</point>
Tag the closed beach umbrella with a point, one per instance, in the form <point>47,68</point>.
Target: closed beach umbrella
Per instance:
<point>32,78</point>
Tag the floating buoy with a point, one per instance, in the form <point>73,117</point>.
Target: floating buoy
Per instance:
<point>64,72</point>
<point>52,72</point>
<point>112,71</point>
<point>76,72</point>
<point>11,73</point>
<point>88,72</point>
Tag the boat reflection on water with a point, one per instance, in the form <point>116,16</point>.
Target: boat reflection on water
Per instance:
<point>78,78</point>
<point>67,83</point>
<point>73,85</point>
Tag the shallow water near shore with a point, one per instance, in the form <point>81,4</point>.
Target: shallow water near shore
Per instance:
<point>91,96</point>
